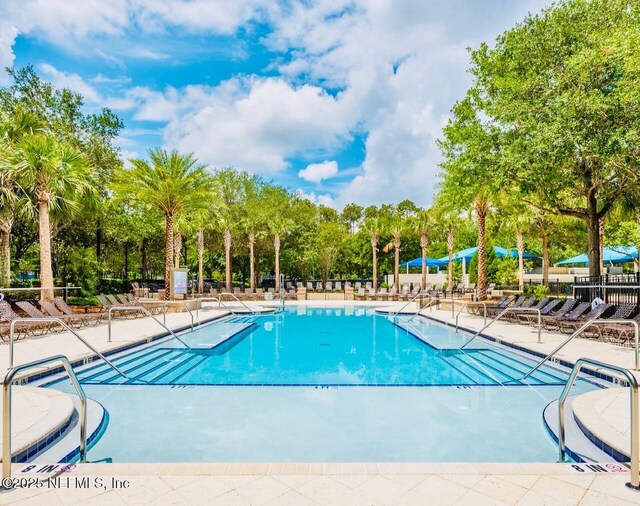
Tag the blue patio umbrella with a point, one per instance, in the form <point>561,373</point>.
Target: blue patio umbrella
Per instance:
<point>610,255</point>
<point>417,262</point>
<point>469,253</point>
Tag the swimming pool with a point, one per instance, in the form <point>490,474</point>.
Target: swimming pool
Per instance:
<point>285,387</point>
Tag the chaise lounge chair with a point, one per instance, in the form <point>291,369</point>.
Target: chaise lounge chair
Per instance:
<point>531,318</point>
<point>596,330</point>
<point>553,322</point>
<point>570,326</point>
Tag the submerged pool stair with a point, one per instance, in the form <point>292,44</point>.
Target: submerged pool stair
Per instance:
<point>480,364</point>
<point>489,367</point>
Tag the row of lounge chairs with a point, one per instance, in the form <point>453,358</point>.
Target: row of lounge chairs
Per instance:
<point>58,308</point>
<point>247,294</point>
<point>566,316</point>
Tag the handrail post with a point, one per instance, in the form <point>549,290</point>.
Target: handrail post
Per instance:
<point>7,404</point>
<point>634,482</point>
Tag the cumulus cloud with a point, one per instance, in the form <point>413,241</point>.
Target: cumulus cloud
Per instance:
<point>249,123</point>
<point>316,172</point>
<point>8,34</point>
<point>72,81</point>
<point>324,199</point>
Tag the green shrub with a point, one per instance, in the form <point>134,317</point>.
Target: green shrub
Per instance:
<point>83,301</point>
<point>113,285</point>
<point>537,291</point>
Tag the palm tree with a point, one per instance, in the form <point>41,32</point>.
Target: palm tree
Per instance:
<point>450,245</point>
<point>374,228</point>
<point>170,182</point>
<point>252,223</point>
<point>481,208</point>
<point>226,223</point>
<point>422,224</point>
<point>397,229</point>
<point>12,129</point>
<point>279,226</point>
<point>56,176</point>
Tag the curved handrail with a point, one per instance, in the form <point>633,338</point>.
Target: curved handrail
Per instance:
<point>427,305</point>
<point>633,384</point>
<point>419,294</point>
<point>6,406</point>
<point>144,310</point>
<point>63,324</point>
<point>165,305</point>
<point>502,313</point>
<point>484,304</point>
<point>580,331</point>
<point>234,296</point>
<point>220,302</point>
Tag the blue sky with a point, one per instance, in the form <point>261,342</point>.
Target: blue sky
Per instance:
<point>341,100</point>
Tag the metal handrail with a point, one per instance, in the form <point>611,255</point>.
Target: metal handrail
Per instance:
<point>6,409</point>
<point>428,305</point>
<point>484,304</point>
<point>234,296</point>
<point>419,294</point>
<point>502,313</point>
<point>63,324</point>
<point>220,302</point>
<point>580,331</point>
<point>633,384</point>
<point>165,305</point>
<point>145,311</point>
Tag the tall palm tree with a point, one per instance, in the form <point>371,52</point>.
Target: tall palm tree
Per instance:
<point>13,128</point>
<point>374,228</point>
<point>481,208</point>
<point>397,228</point>
<point>170,182</point>
<point>56,176</point>
<point>226,223</point>
<point>253,224</point>
<point>422,224</point>
<point>279,226</point>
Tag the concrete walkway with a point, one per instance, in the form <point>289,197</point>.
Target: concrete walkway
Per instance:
<point>327,484</point>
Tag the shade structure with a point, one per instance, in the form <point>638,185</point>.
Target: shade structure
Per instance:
<point>469,253</point>
<point>610,255</point>
<point>417,262</point>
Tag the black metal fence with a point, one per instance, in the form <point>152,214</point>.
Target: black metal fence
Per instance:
<point>612,288</point>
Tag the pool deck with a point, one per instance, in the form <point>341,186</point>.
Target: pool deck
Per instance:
<point>327,484</point>
<point>349,484</point>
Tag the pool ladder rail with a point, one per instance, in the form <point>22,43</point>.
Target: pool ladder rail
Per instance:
<point>7,407</point>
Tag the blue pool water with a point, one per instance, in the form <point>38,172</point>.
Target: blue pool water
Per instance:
<point>280,389</point>
<point>322,347</point>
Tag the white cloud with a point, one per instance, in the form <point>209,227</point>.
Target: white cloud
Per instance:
<point>72,81</point>
<point>316,172</point>
<point>248,123</point>
<point>324,199</point>
<point>8,34</point>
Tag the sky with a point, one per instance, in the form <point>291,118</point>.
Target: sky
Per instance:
<point>339,100</point>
